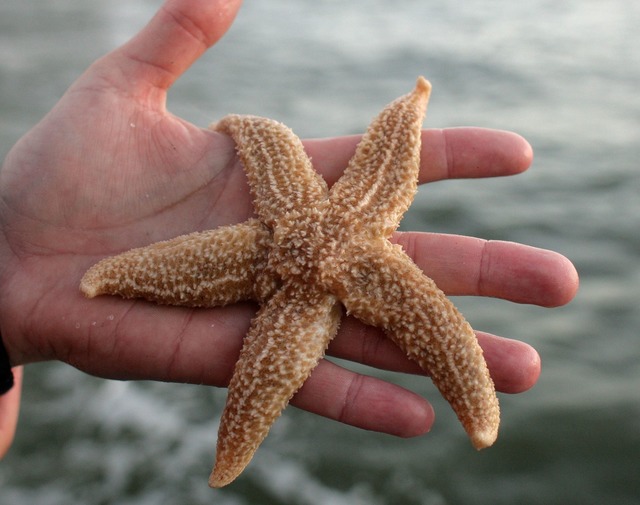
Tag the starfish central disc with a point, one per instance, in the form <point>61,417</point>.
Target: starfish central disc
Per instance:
<point>302,245</point>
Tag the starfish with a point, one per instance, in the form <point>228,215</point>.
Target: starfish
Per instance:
<point>309,252</point>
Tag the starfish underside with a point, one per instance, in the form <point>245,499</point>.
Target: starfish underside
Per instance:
<point>309,252</point>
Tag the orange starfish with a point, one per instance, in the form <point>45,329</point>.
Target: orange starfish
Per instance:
<point>309,252</point>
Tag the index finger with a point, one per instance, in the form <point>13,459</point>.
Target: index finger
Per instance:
<point>451,153</point>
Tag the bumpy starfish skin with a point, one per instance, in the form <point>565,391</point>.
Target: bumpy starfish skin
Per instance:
<point>204,269</point>
<point>310,252</point>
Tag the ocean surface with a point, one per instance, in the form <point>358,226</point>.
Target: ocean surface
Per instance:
<point>563,74</point>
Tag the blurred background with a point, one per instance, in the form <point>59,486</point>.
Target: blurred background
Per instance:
<point>563,74</point>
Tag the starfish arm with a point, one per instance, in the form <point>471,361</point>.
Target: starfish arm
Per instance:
<point>279,171</point>
<point>385,288</point>
<point>286,341</point>
<point>203,269</point>
<point>381,179</point>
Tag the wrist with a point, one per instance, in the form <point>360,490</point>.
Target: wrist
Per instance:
<point>6,374</point>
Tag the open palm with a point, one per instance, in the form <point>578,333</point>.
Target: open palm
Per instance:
<point>109,169</point>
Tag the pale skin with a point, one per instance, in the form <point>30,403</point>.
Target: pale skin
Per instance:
<point>109,168</point>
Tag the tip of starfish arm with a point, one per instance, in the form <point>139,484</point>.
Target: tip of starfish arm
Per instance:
<point>423,85</point>
<point>215,482</point>
<point>219,479</point>
<point>483,439</point>
<point>88,288</point>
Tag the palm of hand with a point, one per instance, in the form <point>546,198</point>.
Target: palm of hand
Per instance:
<point>103,172</point>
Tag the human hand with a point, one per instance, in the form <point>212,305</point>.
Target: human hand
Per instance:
<point>109,168</point>
<point>9,409</point>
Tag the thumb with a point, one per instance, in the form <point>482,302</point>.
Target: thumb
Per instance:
<point>179,33</point>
